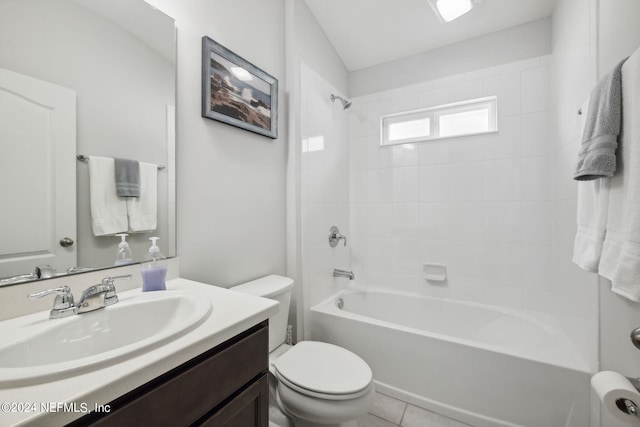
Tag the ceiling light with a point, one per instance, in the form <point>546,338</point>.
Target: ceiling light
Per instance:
<point>448,10</point>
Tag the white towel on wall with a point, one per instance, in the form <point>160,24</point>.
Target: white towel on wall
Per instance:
<point>620,259</point>
<point>108,211</point>
<point>143,211</point>
<point>593,205</point>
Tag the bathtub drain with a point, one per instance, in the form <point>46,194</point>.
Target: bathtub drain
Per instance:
<point>340,303</point>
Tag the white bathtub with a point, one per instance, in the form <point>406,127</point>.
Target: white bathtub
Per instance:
<point>483,365</point>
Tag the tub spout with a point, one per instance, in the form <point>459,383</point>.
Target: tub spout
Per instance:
<point>343,273</point>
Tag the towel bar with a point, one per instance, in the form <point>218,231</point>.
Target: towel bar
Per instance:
<point>84,158</point>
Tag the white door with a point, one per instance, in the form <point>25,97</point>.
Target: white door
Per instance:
<point>37,174</point>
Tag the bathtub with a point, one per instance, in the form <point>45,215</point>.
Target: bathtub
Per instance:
<point>482,365</point>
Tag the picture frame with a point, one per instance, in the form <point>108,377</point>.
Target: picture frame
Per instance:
<point>236,92</point>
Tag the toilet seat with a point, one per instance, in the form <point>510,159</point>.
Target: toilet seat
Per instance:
<point>324,371</point>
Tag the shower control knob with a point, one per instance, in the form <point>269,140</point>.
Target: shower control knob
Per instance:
<point>635,337</point>
<point>66,242</point>
<point>335,237</point>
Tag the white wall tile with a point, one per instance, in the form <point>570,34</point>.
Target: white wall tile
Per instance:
<point>359,182</point>
<point>379,185</point>
<point>536,134</point>
<point>502,179</point>
<point>380,253</point>
<point>358,218</point>
<point>380,219</point>
<point>435,251</point>
<point>536,90</point>
<point>536,178</point>
<point>467,261</point>
<point>503,265</point>
<point>406,256</point>
<point>405,155</point>
<point>465,91</point>
<point>507,88</point>
<point>434,220</point>
<point>406,184</point>
<point>466,181</point>
<point>501,222</point>
<point>465,221</point>
<point>536,222</point>
<point>506,143</point>
<point>406,220</point>
<point>432,152</point>
<point>434,183</point>
<point>434,97</point>
<point>536,267</point>
<point>358,154</point>
<point>466,149</point>
<point>379,157</point>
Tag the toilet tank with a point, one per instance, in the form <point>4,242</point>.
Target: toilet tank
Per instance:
<point>277,288</point>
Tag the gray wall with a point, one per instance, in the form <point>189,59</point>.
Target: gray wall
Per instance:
<point>231,183</point>
<point>510,45</point>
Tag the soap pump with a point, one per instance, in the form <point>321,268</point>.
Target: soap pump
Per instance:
<point>153,268</point>
<point>124,255</point>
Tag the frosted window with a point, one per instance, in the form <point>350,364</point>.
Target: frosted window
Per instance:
<point>477,116</point>
<point>410,129</point>
<point>475,121</point>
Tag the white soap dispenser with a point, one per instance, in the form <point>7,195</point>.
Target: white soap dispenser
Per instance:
<point>124,255</point>
<point>153,269</point>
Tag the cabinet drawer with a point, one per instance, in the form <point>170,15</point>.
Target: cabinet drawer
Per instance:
<point>192,390</point>
<point>249,408</point>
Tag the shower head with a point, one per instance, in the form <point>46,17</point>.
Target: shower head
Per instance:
<point>345,104</point>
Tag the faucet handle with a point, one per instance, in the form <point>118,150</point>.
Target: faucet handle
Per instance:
<point>108,281</point>
<point>63,305</point>
<point>110,297</point>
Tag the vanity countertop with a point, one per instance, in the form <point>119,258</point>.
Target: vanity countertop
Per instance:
<point>232,313</point>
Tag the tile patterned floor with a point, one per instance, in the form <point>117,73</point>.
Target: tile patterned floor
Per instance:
<point>390,412</point>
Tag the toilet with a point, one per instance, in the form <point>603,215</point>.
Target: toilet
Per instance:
<point>312,383</point>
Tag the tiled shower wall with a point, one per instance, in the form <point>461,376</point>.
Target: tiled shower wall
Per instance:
<point>478,204</point>
<point>325,189</point>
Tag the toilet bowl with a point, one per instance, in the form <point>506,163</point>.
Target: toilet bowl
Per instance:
<point>312,383</point>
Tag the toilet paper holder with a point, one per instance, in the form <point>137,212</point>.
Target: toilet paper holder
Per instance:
<point>628,406</point>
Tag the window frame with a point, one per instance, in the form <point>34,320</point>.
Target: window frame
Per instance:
<point>433,114</point>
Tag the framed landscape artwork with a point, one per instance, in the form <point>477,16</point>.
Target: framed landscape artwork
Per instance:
<point>236,92</point>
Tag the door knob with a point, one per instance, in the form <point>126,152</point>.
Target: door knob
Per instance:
<point>66,242</point>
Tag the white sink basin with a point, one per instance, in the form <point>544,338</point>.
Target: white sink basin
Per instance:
<point>37,349</point>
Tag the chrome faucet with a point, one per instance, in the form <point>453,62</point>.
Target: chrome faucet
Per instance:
<point>93,298</point>
<point>343,273</point>
<point>100,295</point>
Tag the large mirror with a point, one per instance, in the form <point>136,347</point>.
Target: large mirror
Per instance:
<point>82,79</point>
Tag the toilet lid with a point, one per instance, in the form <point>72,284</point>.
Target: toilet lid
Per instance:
<point>324,368</point>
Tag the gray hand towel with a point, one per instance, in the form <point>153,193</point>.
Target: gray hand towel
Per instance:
<point>127,178</point>
<point>597,157</point>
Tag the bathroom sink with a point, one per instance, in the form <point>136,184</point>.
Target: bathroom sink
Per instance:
<point>35,349</point>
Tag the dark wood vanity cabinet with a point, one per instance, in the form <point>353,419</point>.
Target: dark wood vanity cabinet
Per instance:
<point>225,386</point>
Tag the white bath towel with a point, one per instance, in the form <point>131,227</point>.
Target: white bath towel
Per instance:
<point>143,211</point>
<point>593,205</point>
<point>620,259</point>
<point>108,211</point>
